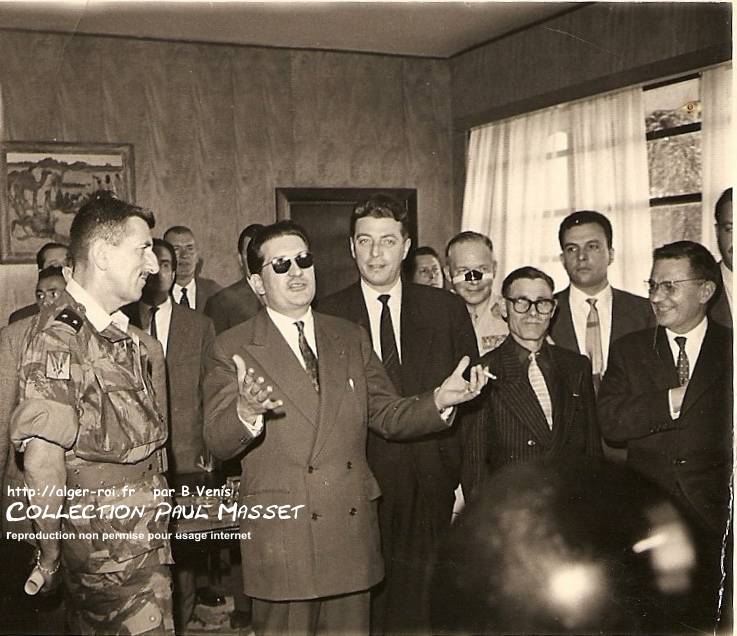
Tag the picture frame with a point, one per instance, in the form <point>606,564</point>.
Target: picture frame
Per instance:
<point>43,184</point>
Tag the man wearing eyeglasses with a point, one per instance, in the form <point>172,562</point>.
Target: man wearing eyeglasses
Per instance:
<point>296,390</point>
<point>668,394</point>
<point>539,404</point>
<point>721,308</point>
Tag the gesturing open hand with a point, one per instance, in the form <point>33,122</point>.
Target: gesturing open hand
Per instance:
<point>455,390</point>
<point>254,398</point>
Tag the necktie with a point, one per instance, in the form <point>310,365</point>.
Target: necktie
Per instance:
<point>537,381</point>
<point>593,342</point>
<point>682,364</point>
<point>184,300</point>
<point>389,352</point>
<point>152,325</point>
<point>308,356</point>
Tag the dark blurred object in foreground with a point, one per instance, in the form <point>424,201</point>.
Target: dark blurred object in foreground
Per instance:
<point>585,547</point>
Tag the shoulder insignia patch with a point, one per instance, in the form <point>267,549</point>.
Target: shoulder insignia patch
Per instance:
<point>58,365</point>
<point>69,317</point>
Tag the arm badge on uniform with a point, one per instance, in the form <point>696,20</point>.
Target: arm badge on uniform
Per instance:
<point>58,365</point>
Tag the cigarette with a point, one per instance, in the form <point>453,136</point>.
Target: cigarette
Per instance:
<point>489,374</point>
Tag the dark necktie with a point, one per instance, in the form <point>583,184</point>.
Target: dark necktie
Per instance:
<point>184,300</point>
<point>308,356</point>
<point>389,352</point>
<point>682,364</point>
<point>593,342</point>
<point>152,325</point>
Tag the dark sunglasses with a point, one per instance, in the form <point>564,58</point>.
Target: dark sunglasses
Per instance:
<point>282,264</point>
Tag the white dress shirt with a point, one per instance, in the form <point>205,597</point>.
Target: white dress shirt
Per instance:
<point>580,313</point>
<point>374,307</point>
<point>99,318</point>
<point>694,340</point>
<point>191,287</point>
<point>727,278</point>
<point>163,320</point>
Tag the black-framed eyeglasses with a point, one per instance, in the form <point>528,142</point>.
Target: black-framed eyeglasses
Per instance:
<point>669,287</point>
<point>543,306</point>
<point>282,264</point>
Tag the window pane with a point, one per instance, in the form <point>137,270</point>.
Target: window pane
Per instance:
<point>674,164</point>
<point>676,223</point>
<point>673,105</point>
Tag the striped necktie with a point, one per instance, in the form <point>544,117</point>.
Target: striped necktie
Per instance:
<point>308,356</point>
<point>537,381</point>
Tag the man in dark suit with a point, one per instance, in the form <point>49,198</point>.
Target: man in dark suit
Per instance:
<point>668,394</point>
<point>591,314</point>
<point>185,335</point>
<point>419,333</point>
<point>540,404</point>
<point>721,307</point>
<point>310,573</point>
<point>236,303</point>
<point>50,255</point>
<point>190,289</point>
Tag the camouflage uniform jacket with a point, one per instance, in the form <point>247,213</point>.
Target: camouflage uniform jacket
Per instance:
<point>91,393</point>
<point>488,324</point>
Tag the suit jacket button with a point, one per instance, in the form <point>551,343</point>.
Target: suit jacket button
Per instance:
<point>353,511</point>
<point>315,516</point>
<point>310,469</point>
<point>679,462</point>
<point>530,442</point>
<point>349,465</point>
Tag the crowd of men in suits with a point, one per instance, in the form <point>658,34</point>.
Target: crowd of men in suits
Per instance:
<point>256,377</point>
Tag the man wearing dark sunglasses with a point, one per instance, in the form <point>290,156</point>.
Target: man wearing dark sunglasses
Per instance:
<point>667,393</point>
<point>540,403</point>
<point>296,390</point>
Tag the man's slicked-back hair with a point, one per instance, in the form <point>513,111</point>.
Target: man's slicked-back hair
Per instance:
<point>50,272</point>
<point>381,206</point>
<point>103,216</point>
<point>248,233</point>
<point>170,248</point>
<point>527,272</point>
<point>467,237</point>
<point>254,256</point>
<point>41,254</point>
<point>702,263</point>
<point>582,217</point>
<point>724,197</point>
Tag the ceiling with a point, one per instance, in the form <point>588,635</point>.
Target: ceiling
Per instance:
<point>428,29</point>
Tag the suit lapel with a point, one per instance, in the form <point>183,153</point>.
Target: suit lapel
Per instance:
<point>332,361</point>
<point>564,322</point>
<point>514,389</point>
<point>567,390</point>
<point>664,369</point>
<point>416,337</point>
<point>289,379</point>
<point>710,366</point>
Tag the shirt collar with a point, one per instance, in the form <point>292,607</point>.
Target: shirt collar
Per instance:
<point>286,324</point>
<point>696,334</point>
<point>578,297</point>
<point>97,316</point>
<point>395,292</point>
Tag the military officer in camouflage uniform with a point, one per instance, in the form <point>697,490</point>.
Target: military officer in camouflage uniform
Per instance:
<point>90,419</point>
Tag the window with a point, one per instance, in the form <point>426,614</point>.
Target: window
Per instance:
<point>673,131</point>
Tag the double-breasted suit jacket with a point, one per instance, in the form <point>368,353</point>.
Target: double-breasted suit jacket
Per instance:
<point>719,310</point>
<point>515,427</point>
<point>312,453</point>
<point>629,313</point>
<point>190,336</point>
<point>691,456</point>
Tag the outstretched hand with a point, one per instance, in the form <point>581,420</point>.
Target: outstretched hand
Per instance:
<point>455,390</point>
<point>254,398</point>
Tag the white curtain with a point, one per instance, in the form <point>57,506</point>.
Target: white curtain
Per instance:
<point>526,174</point>
<point>717,145</point>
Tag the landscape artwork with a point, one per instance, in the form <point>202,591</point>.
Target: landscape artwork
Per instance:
<point>44,185</point>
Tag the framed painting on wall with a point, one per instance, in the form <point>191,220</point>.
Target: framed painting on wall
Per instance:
<point>43,185</point>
